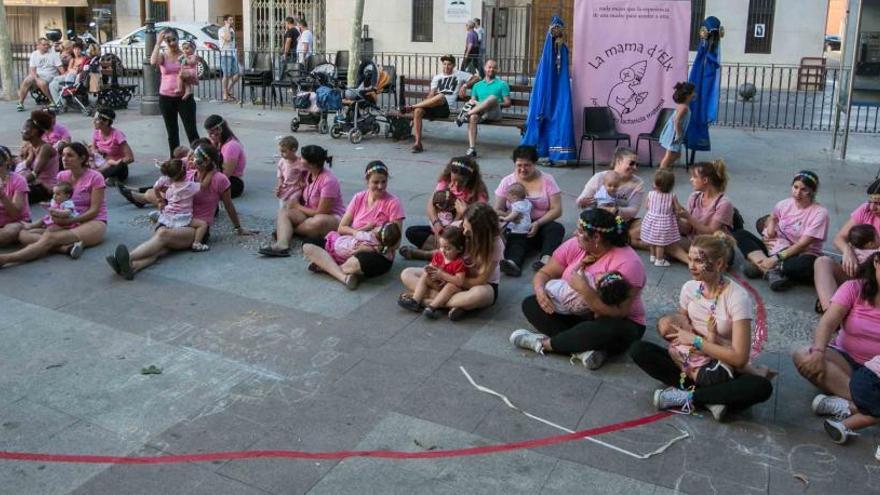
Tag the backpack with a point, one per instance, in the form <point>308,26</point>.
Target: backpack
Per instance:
<point>303,101</point>
<point>329,99</point>
<point>399,128</point>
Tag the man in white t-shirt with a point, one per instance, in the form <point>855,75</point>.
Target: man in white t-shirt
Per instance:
<point>446,88</point>
<point>305,45</point>
<point>228,57</point>
<point>43,66</point>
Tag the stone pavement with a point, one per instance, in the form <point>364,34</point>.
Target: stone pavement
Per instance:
<point>260,354</point>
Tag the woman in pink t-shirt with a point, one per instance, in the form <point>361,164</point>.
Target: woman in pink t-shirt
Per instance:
<point>630,194</point>
<point>709,339</point>
<point>171,101</point>
<point>110,147</point>
<point>792,237</point>
<point>601,245</point>
<point>88,197</point>
<point>234,159</point>
<point>318,211</point>
<point>58,135</point>
<point>368,211</point>
<point>545,233</point>
<point>829,274</point>
<point>13,200</point>
<point>463,179</point>
<point>214,189</point>
<point>40,165</point>
<point>829,363</point>
<point>484,250</point>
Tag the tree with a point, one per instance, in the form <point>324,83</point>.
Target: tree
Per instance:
<point>357,27</point>
<point>5,57</point>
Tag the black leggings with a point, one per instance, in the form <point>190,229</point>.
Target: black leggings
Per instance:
<point>570,334</point>
<point>372,264</point>
<point>418,235</point>
<point>548,238</point>
<point>118,172</point>
<point>38,193</point>
<point>236,186</point>
<point>798,268</point>
<point>171,107</point>
<point>741,392</point>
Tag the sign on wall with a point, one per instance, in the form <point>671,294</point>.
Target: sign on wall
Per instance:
<point>457,11</point>
<point>628,55</point>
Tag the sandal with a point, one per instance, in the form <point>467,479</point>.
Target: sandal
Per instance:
<point>406,252</point>
<point>456,314</point>
<point>111,260</point>
<point>417,148</point>
<point>274,253</point>
<point>127,194</point>
<point>406,301</point>
<point>198,247</point>
<point>124,262</point>
<point>352,281</point>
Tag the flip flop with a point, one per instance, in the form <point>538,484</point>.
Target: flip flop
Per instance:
<point>124,262</point>
<point>274,253</point>
<point>127,194</point>
<point>111,260</point>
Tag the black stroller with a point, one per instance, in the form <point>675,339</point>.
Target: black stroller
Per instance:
<point>317,95</point>
<point>102,80</point>
<point>360,114</point>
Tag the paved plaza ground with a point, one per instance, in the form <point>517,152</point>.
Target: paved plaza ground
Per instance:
<point>260,354</point>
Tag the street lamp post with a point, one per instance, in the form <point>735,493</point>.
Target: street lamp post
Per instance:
<point>150,98</point>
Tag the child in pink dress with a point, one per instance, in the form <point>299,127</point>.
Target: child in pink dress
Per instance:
<point>290,174</point>
<point>176,195</point>
<point>444,205</point>
<point>660,226</point>
<point>188,76</point>
<point>343,247</point>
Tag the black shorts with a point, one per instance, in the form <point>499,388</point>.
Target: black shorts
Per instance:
<point>439,112</point>
<point>236,186</point>
<point>864,387</point>
<point>372,264</point>
<point>495,291</point>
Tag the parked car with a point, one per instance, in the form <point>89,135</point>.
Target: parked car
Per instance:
<point>131,47</point>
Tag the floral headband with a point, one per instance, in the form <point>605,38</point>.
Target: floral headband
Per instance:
<point>609,278</point>
<point>462,166</point>
<point>99,115</point>
<point>874,198</point>
<point>588,227</point>
<point>377,168</point>
<point>219,125</point>
<point>200,154</point>
<point>808,178</point>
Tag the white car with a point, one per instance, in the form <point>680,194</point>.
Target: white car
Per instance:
<point>131,48</point>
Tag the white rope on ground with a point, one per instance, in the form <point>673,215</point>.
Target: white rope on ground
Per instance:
<point>508,403</point>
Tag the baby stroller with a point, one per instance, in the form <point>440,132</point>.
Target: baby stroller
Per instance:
<point>75,96</point>
<point>360,114</point>
<point>313,107</point>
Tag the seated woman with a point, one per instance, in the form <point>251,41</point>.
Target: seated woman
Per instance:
<point>545,233</point>
<point>630,194</point>
<point>110,147</point>
<point>40,161</point>
<point>793,237</point>
<point>214,189</point>
<point>234,159</point>
<point>484,250</point>
<point>144,196</point>
<point>91,223</point>
<point>462,178</point>
<point>368,211</point>
<point>14,209</point>
<point>829,274</point>
<point>318,211</point>
<point>600,246</point>
<point>58,134</point>
<point>708,339</point>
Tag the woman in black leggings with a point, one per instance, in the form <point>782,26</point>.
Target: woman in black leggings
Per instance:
<point>234,159</point>
<point>601,245</point>
<point>171,101</point>
<point>706,359</point>
<point>793,236</point>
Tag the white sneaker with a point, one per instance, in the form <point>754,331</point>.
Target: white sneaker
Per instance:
<point>662,262</point>
<point>831,405</point>
<point>528,340</point>
<point>877,453</point>
<point>591,360</point>
<point>838,432</point>
<point>653,258</point>
<point>76,250</point>
<point>718,411</point>
<point>671,398</point>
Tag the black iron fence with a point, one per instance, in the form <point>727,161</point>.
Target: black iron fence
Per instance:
<point>751,96</point>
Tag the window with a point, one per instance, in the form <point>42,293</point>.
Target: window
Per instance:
<point>698,13</point>
<point>759,30</point>
<point>423,20</point>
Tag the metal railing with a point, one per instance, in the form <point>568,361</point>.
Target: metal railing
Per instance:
<point>781,99</point>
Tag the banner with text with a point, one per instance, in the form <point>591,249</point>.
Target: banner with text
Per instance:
<point>628,55</point>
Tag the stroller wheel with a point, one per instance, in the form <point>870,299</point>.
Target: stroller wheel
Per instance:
<point>323,126</point>
<point>336,131</point>
<point>88,111</point>
<point>294,125</point>
<point>355,136</point>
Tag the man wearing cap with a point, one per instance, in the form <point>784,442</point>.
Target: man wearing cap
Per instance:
<point>446,88</point>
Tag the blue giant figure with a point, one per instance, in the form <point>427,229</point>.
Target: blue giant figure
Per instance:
<point>549,123</point>
<point>705,75</point>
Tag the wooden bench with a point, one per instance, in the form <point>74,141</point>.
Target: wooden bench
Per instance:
<point>417,89</point>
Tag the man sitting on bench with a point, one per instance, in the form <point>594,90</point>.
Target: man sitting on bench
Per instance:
<point>489,96</point>
<point>446,88</point>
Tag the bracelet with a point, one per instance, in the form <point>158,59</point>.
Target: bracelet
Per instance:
<point>816,349</point>
<point>698,343</point>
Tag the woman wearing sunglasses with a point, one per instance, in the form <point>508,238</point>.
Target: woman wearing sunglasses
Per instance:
<point>171,101</point>
<point>630,193</point>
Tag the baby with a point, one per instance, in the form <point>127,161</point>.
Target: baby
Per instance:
<point>188,75</point>
<point>445,275</point>
<point>176,195</point>
<point>61,205</point>
<point>343,247</point>
<point>863,239</point>
<point>444,204</point>
<point>606,195</point>
<point>519,220</point>
<point>290,172</point>
<point>612,289</point>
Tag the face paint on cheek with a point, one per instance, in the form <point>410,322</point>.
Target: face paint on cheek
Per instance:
<point>703,262</point>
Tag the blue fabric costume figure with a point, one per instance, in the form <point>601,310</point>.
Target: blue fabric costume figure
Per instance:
<point>706,79</point>
<point>549,122</point>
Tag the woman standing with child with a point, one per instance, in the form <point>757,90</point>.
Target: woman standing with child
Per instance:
<point>370,230</point>
<point>544,233</point>
<point>674,132</point>
<point>171,101</point>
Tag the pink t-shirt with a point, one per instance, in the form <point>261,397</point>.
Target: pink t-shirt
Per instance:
<point>56,134</point>
<point>178,195</point>
<point>206,200</point>
<point>233,152</point>
<point>860,331</point>
<point>541,202</point>
<point>168,81</point>
<point>794,223</point>
<point>720,209</point>
<point>863,214</point>
<point>49,173</point>
<point>15,184</point>
<point>82,190</point>
<point>734,304</point>
<point>291,176</point>
<point>621,259</point>
<point>325,185</point>
<point>385,209</point>
<point>460,193</point>
<point>110,145</point>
